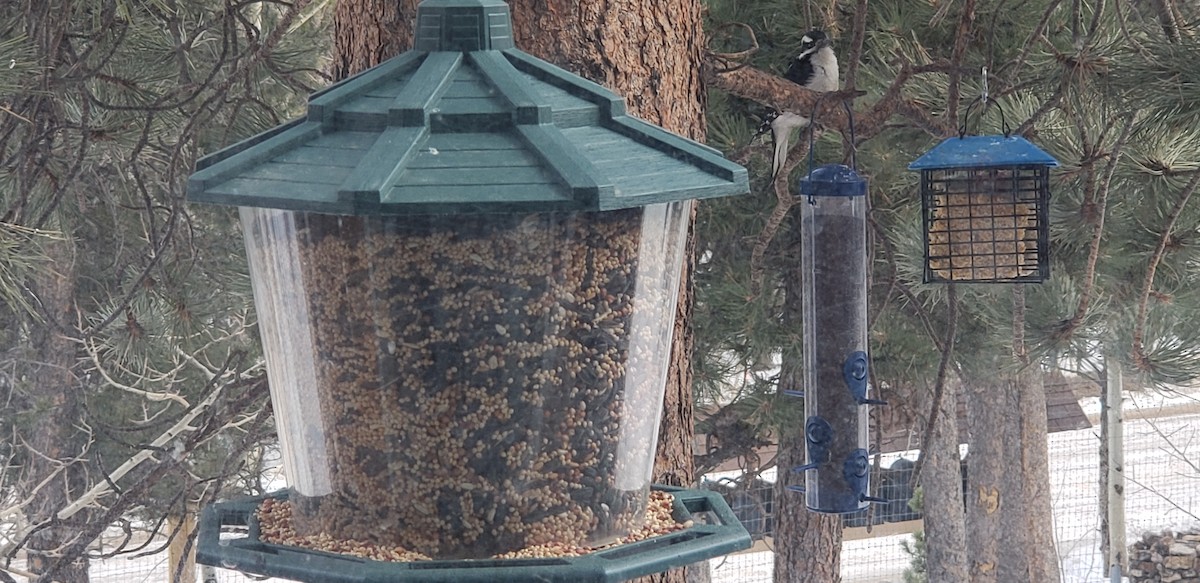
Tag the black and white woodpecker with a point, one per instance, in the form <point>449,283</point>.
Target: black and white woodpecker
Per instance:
<point>816,69</point>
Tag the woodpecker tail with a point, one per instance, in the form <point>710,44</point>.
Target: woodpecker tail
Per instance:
<point>782,127</point>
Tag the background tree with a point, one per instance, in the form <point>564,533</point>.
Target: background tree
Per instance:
<point>128,359</point>
<point>1098,85</point>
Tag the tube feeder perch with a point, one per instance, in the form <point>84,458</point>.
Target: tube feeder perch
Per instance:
<point>985,208</point>
<point>834,281</point>
<point>465,264</point>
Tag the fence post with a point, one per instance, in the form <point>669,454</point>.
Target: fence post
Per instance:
<point>1111,417</point>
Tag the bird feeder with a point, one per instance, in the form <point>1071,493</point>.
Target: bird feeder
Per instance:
<point>985,205</point>
<point>465,263</point>
<point>834,281</point>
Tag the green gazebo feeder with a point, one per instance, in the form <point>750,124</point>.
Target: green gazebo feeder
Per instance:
<point>465,264</point>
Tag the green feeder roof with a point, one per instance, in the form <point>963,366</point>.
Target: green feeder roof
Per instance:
<point>463,123</point>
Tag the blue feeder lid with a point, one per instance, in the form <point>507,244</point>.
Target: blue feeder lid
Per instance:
<point>982,152</point>
<point>833,180</point>
<point>464,123</point>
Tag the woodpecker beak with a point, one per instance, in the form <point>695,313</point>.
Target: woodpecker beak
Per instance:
<point>825,42</point>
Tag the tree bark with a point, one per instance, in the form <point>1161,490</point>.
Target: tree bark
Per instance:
<point>647,52</point>
<point>1008,502</point>
<point>368,32</point>
<point>941,485</point>
<point>56,441</point>
<point>808,545</point>
<point>181,552</point>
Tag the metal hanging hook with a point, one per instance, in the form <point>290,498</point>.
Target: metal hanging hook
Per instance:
<point>812,118</point>
<point>984,98</point>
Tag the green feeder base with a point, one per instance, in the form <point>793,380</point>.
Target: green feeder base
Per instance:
<point>716,532</point>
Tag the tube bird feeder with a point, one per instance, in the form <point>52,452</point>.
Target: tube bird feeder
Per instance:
<point>465,263</point>
<point>834,282</point>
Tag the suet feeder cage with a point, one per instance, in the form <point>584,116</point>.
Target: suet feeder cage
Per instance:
<point>465,264</point>
<point>834,282</point>
<point>985,205</point>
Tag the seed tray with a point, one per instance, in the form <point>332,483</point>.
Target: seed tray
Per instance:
<point>715,532</point>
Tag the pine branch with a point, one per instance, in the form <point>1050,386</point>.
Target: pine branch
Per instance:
<point>856,44</point>
<point>784,203</point>
<point>961,40</point>
<point>1139,356</point>
<point>1095,214</point>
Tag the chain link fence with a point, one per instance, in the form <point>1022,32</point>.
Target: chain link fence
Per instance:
<point>1162,469</point>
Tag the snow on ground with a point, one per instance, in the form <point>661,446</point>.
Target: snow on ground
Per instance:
<point>1162,491</point>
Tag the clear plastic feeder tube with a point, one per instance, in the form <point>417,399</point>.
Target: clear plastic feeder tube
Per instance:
<point>834,270</point>
<point>469,385</point>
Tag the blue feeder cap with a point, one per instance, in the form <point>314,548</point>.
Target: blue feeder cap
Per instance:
<point>981,152</point>
<point>833,180</point>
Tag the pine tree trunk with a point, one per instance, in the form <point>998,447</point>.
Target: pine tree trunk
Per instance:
<point>647,52</point>
<point>1008,502</point>
<point>941,484</point>
<point>56,441</point>
<point>987,461</point>
<point>181,556</point>
<point>808,545</point>
<point>1034,479</point>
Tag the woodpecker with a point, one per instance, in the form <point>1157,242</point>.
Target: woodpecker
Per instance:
<point>816,69</point>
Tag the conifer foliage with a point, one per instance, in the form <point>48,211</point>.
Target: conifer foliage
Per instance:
<point>128,355</point>
<point>1105,87</point>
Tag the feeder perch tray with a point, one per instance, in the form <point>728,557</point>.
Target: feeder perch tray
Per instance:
<point>702,541</point>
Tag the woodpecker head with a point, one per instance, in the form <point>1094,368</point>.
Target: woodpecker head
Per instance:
<point>812,42</point>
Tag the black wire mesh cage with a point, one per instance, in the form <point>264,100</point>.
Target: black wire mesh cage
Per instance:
<point>985,214</point>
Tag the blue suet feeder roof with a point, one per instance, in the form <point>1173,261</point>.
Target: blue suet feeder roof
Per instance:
<point>464,123</point>
<point>985,208</point>
<point>978,151</point>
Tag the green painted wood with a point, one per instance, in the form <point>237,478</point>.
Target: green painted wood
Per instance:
<point>327,156</point>
<point>473,131</point>
<point>557,98</point>
<point>367,104</point>
<point>382,164</point>
<point>470,105</point>
<point>499,197</point>
<point>704,157</point>
<point>628,200</point>
<point>573,170</point>
<point>246,158</point>
<point>506,79</point>
<point>532,176</point>
<point>468,87</point>
<point>346,140</point>
<point>349,121</point>
<point>412,104</point>
<point>322,104</point>
<point>505,140</point>
<point>298,173</point>
<point>610,104</point>
<point>275,194</point>
<point>246,144</point>
<point>391,87</point>
<point>473,158</point>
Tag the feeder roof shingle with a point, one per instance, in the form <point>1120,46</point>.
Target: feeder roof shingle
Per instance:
<point>445,128</point>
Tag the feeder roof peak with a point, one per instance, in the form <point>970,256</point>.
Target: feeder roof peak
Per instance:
<point>464,123</point>
<point>983,151</point>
